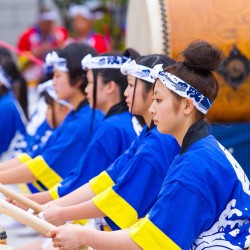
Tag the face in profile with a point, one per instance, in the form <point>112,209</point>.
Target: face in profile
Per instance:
<point>81,25</point>
<point>137,98</point>
<point>165,110</point>
<point>62,85</point>
<point>101,97</point>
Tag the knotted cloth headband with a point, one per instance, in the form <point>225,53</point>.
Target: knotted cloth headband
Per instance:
<point>48,86</point>
<point>103,62</point>
<point>183,89</point>
<point>130,67</point>
<point>52,60</point>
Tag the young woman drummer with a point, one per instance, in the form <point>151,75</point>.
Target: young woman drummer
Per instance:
<point>204,200</point>
<point>53,161</point>
<point>130,186</point>
<point>12,120</point>
<point>106,85</point>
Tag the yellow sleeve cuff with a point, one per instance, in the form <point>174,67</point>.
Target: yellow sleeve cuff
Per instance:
<point>23,158</point>
<point>116,208</point>
<point>54,192</point>
<point>80,222</point>
<point>47,176</point>
<point>101,182</point>
<point>148,236</point>
<point>23,60</point>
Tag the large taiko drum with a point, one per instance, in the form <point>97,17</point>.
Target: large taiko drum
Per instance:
<point>168,26</point>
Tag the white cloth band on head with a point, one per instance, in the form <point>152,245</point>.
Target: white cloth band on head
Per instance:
<point>48,86</point>
<point>84,11</point>
<point>47,16</point>
<point>103,62</point>
<point>59,63</point>
<point>183,89</point>
<point>5,79</point>
<point>140,71</point>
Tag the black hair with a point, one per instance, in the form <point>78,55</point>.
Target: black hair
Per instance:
<point>113,74</point>
<point>19,84</point>
<point>74,53</point>
<point>200,58</point>
<point>150,61</point>
<point>51,102</point>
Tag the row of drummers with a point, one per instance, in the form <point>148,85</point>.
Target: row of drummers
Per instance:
<point>169,186</point>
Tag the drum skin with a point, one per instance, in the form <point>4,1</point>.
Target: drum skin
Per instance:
<point>168,26</point>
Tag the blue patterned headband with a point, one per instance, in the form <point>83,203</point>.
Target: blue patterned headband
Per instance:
<point>103,62</point>
<point>183,89</point>
<point>140,71</point>
<point>5,79</point>
<point>48,86</point>
<point>52,60</point>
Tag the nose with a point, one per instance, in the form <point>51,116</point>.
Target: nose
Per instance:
<point>151,109</point>
<point>126,92</point>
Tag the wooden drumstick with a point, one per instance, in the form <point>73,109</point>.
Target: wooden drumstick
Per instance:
<point>28,219</point>
<point>21,199</point>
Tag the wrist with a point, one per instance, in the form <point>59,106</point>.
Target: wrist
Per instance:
<point>63,214</point>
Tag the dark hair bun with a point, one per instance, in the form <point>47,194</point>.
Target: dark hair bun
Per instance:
<point>131,53</point>
<point>201,55</point>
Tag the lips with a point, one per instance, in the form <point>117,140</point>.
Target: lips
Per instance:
<point>155,121</point>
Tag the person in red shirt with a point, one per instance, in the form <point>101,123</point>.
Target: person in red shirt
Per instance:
<point>38,40</point>
<point>82,20</point>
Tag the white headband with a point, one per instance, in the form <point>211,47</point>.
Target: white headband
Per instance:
<point>4,78</point>
<point>47,16</point>
<point>48,86</point>
<point>183,89</point>
<point>81,10</point>
<point>52,60</point>
<point>102,62</point>
<point>140,71</point>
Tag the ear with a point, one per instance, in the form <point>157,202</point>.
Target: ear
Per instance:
<point>111,87</point>
<point>189,106</point>
<point>78,83</point>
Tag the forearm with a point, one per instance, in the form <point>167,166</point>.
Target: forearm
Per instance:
<point>80,195</point>
<point>18,174</point>
<point>86,210</point>
<point>9,164</point>
<point>41,197</point>
<point>108,240</point>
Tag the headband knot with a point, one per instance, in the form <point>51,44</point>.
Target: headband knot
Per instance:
<point>130,67</point>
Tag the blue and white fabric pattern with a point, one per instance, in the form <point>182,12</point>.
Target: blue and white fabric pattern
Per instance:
<point>183,89</point>
<point>103,62</point>
<point>52,60</point>
<point>140,71</point>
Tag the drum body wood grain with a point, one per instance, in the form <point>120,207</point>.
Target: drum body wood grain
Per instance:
<point>168,26</point>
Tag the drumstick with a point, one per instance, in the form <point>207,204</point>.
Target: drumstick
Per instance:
<point>28,219</point>
<point>20,52</point>
<point>21,199</point>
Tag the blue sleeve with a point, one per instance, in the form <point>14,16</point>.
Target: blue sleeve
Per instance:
<point>91,164</point>
<point>35,142</point>
<point>175,214</point>
<point>8,123</point>
<point>139,187</point>
<point>102,151</point>
<point>118,165</point>
<point>64,148</point>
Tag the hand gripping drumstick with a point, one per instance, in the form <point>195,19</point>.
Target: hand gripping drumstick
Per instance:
<point>28,219</point>
<point>21,199</point>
